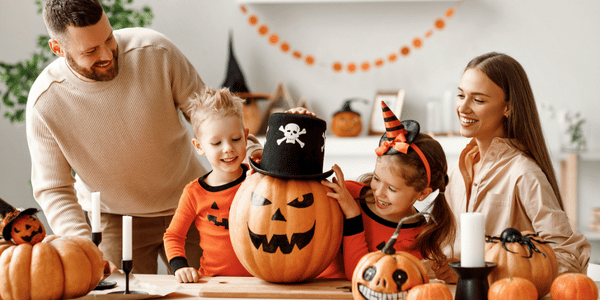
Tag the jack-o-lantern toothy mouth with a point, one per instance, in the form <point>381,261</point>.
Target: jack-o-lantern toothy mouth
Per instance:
<point>280,241</point>
<point>369,294</point>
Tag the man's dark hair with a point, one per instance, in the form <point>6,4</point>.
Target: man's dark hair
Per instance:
<point>59,14</point>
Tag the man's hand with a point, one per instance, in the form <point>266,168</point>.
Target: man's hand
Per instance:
<point>109,268</point>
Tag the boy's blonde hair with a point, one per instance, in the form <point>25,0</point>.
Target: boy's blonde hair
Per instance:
<point>214,103</point>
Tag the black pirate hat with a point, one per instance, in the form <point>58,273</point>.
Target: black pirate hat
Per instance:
<point>295,147</point>
<point>9,214</point>
<point>234,79</point>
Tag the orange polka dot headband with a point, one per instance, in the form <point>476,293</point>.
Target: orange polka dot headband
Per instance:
<point>399,136</point>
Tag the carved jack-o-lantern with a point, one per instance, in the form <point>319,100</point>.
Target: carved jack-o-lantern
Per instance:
<point>27,229</point>
<point>346,122</point>
<point>388,274</point>
<point>20,225</point>
<point>284,230</point>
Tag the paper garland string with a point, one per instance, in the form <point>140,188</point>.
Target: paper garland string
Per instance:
<point>351,67</point>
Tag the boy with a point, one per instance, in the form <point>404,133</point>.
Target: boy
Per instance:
<point>219,134</point>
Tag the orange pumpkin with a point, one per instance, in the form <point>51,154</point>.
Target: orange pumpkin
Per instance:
<point>514,288</point>
<point>27,229</point>
<point>388,274</point>
<point>56,268</point>
<point>379,275</point>
<point>346,122</point>
<point>284,230</point>
<point>574,286</point>
<point>520,260</point>
<point>430,291</point>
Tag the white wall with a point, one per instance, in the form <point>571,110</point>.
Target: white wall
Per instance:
<point>557,43</point>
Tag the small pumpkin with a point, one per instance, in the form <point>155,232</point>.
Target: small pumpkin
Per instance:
<point>346,122</point>
<point>519,254</point>
<point>430,291</point>
<point>55,268</point>
<point>514,288</point>
<point>20,224</point>
<point>284,230</point>
<point>388,274</point>
<point>573,286</point>
<point>27,229</point>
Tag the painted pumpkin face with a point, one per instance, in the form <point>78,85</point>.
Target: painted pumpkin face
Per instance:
<point>284,230</point>
<point>27,229</point>
<point>214,219</point>
<point>385,276</point>
<point>346,124</point>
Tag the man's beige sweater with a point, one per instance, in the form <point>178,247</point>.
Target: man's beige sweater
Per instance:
<point>125,138</point>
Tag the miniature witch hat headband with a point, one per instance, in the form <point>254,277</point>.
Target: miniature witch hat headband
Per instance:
<point>399,136</point>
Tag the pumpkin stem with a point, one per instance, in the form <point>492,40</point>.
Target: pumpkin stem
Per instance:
<point>389,246</point>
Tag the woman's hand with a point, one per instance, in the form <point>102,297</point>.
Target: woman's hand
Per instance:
<point>349,207</point>
<point>444,272</point>
<point>187,275</point>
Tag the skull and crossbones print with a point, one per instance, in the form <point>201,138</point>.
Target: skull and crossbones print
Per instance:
<point>291,133</point>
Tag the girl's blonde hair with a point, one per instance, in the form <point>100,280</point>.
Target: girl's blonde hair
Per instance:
<point>523,123</point>
<point>440,230</point>
<point>214,103</point>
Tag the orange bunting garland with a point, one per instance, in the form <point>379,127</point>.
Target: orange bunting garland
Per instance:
<point>351,67</point>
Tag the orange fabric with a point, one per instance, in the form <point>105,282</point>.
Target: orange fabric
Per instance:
<point>376,232</point>
<point>208,208</point>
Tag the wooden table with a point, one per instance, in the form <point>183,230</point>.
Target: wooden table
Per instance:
<point>246,288</point>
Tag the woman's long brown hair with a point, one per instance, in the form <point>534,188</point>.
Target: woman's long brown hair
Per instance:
<point>523,122</point>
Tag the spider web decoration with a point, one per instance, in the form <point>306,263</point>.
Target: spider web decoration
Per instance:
<point>351,67</point>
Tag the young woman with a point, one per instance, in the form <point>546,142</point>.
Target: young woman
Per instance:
<point>505,171</point>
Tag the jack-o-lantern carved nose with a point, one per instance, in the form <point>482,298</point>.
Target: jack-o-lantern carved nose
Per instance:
<point>278,216</point>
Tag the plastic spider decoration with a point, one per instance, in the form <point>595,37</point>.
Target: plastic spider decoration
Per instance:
<point>511,235</point>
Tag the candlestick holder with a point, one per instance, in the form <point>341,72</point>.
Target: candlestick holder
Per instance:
<point>103,284</point>
<point>472,281</point>
<point>127,265</point>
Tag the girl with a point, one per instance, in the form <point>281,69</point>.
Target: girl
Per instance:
<point>505,171</point>
<point>409,167</point>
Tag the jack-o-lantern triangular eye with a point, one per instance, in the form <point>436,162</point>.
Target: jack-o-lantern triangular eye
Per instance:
<point>259,200</point>
<point>308,200</point>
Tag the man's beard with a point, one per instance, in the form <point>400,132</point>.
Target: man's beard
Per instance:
<point>92,72</point>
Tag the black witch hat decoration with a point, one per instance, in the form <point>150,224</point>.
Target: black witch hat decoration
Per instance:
<point>399,137</point>
<point>9,214</point>
<point>234,79</point>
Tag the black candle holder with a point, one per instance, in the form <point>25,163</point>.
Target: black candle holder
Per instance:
<point>127,265</point>
<point>103,284</point>
<point>472,281</point>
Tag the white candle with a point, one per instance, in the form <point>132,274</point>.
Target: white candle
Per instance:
<point>448,112</point>
<point>127,231</point>
<point>96,212</point>
<point>472,240</point>
<point>433,117</point>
